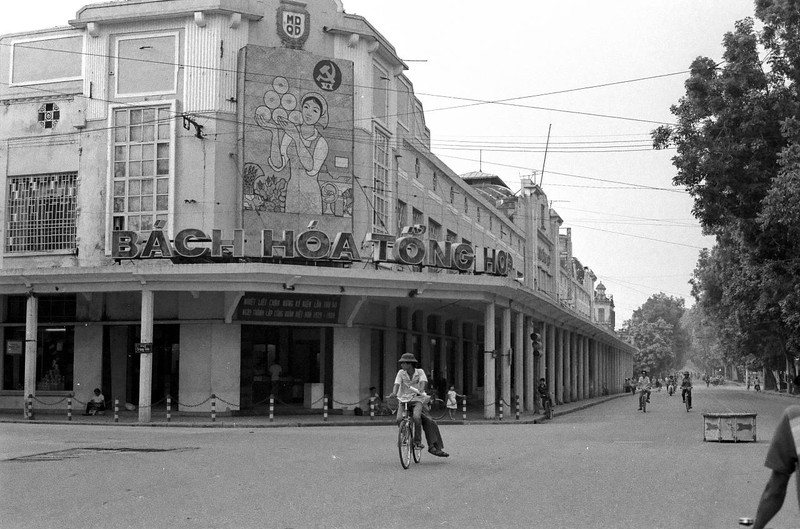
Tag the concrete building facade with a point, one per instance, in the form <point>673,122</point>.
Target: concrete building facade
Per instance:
<point>196,191</point>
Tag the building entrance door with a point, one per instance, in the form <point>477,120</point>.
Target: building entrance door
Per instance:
<point>281,361</point>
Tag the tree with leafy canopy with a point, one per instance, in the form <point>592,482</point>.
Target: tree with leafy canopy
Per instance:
<point>736,139</point>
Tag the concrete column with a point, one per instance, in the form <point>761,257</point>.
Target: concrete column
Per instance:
<point>390,353</point>
<point>146,359</point>
<point>530,368</point>
<point>586,379</point>
<point>573,367</point>
<point>31,337</point>
<point>558,387</point>
<point>550,355</point>
<point>460,360</point>
<point>505,360</point>
<point>569,387</point>
<point>519,364</point>
<point>489,349</point>
<point>581,378</point>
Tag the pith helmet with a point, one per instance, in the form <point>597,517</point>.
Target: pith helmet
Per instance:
<point>408,357</point>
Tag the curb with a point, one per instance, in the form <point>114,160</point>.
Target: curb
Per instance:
<point>537,418</point>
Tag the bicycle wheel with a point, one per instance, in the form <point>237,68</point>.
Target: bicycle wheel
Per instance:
<point>416,452</point>
<point>404,441</point>
<point>688,401</point>
<point>438,409</point>
<point>643,402</point>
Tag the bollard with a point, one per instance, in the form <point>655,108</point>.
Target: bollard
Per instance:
<point>325,408</point>
<point>213,408</point>
<point>371,410</point>
<point>517,407</point>
<point>501,409</point>
<point>116,410</point>
<point>271,408</point>
<point>69,407</point>
<point>169,408</point>
<point>464,407</point>
<point>29,405</point>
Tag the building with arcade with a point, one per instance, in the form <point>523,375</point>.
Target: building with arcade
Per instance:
<point>197,191</point>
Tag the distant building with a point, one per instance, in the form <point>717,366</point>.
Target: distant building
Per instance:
<point>604,307</point>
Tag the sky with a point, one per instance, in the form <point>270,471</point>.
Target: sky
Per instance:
<point>496,78</point>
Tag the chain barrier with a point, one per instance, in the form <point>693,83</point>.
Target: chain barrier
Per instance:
<point>48,403</point>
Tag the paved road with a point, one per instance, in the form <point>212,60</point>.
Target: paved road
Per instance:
<point>605,466</point>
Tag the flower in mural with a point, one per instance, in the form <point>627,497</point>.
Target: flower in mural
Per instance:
<point>261,192</point>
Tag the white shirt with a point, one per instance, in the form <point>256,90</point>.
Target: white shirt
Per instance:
<point>404,392</point>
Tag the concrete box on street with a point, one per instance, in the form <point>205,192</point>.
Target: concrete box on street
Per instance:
<point>730,426</point>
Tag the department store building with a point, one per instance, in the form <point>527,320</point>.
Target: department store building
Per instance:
<point>197,190</point>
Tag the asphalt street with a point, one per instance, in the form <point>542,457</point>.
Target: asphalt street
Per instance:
<point>604,466</point>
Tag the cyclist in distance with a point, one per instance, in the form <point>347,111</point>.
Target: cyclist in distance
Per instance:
<point>409,386</point>
<point>643,385</point>
<point>686,388</point>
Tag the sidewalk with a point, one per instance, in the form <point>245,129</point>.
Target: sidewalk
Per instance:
<point>226,420</point>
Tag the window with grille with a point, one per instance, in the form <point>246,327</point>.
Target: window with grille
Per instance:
<point>141,179</point>
<point>41,213</point>
<point>380,181</point>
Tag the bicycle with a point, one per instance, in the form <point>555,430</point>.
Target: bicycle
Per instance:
<point>643,400</point>
<point>547,406</point>
<point>687,398</point>
<point>405,439</point>
<point>437,408</point>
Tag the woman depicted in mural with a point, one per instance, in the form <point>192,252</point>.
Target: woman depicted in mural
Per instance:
<point>296,142</point>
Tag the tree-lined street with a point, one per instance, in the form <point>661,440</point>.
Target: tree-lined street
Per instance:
<point>604,466</point>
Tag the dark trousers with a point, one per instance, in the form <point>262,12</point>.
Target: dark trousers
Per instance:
<point>92,406</point>
<point>423,422</point>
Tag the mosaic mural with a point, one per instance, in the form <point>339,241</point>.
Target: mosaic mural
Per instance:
<point>297,135</point>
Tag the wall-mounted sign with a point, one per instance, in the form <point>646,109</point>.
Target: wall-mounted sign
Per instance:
<point>409,248</point>
<point>294,23</point>
<point>14,347</point>
<point>143,348</point>
<point>296,308</point>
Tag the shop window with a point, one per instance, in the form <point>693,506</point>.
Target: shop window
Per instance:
<point>54,344</point>
<point>54,358</point>
<point>147,64</point>
<point>41,213</point>
<point>142,167</point>
<point>47,60</point>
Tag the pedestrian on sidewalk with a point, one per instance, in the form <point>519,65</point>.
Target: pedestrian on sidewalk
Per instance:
<point>96,403</point>
<point>452,404</point>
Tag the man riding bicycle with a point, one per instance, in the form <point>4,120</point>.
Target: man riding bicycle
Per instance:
<point>409,386</point>
<point>686,389</point>
<point>643,385</point>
